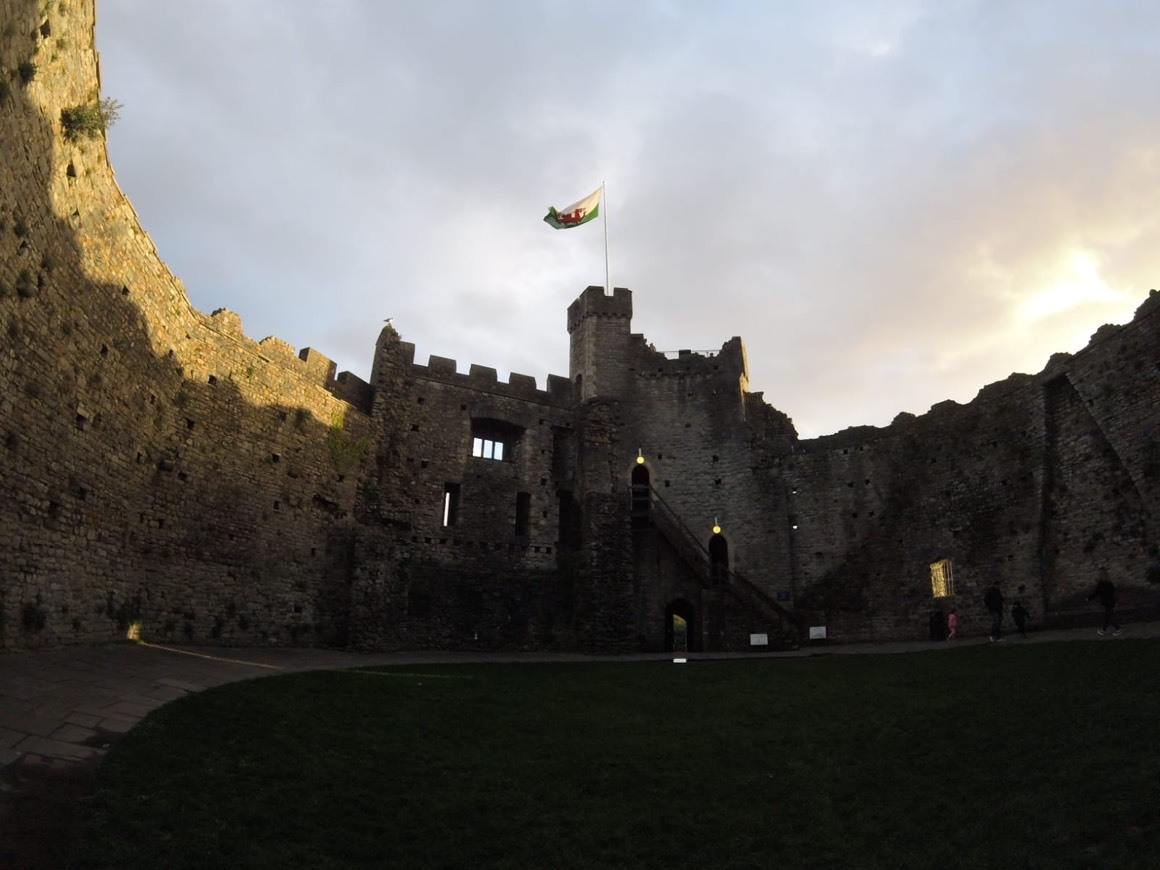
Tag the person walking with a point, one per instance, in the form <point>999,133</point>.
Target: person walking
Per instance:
<point>1020,614</point>
<point>993,601</point>
<point>952,625</point>
<point>1105,591</point>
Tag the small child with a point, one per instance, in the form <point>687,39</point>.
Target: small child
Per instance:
<point>952,625</point>
<point>1020,614</point>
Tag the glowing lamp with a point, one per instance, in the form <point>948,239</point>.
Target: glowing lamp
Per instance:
<point>716,527</point>
<point>639,457</point>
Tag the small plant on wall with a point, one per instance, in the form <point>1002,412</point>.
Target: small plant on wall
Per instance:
<point>345,452</point>
<point>89,120</point>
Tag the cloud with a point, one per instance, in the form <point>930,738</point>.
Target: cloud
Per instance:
<point>875,196</point>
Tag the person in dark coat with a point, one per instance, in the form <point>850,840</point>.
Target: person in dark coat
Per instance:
<point>1020,614</point>
<point>993,601</point>
<point>1105,591</point>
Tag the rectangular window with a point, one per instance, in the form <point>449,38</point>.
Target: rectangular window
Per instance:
<point>485,448</point>
<point>942,579</point>
<point>523,510</point>
<point>495,439</point>
<point>450,504</point>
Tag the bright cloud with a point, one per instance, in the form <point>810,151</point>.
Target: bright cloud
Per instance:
<point>1081,283</point>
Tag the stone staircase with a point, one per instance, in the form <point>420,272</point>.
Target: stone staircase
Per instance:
<point>649,509</point>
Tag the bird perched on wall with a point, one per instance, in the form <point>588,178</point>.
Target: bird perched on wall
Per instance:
<point>390,321</point>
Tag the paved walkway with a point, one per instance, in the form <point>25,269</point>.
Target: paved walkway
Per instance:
<point>61,710</point>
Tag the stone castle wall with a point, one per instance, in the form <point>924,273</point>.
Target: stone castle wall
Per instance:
<point>1035,484</point>
<point>457,549</point>
<point>158,465</point>
<point>160,468</point>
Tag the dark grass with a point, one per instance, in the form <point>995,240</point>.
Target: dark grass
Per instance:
<point>1043,755</point>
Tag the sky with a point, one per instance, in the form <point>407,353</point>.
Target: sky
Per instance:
<point>892,203</point>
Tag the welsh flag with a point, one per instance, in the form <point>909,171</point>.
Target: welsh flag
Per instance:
<point>577,213</point>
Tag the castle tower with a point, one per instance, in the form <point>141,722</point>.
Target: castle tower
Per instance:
<point>600,362</point>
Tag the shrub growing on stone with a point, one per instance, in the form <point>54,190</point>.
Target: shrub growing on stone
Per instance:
<point>89,120</point>
<point>26,69</point>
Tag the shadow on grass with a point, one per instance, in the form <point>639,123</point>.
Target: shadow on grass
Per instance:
<point>1037,756</point>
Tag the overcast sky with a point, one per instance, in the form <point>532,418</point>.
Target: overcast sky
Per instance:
<point>892,203</point>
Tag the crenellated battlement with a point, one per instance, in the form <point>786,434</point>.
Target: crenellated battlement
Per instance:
<point>314,367</point>
<point>486,379</point>
<point>729,361</point>
<point>593,302</point>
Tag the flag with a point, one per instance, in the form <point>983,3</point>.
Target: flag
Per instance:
<point>577,213</point>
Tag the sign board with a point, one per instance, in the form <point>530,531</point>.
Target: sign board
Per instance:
<point>817,632</point>
<point>759,640</point>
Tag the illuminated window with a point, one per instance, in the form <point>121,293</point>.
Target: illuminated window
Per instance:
<point>450,504</point>
<point>485,448</point>
<point>494,439</point>
<point>942,580</point>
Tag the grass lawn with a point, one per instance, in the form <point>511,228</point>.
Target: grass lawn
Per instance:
<point>1042,755</point>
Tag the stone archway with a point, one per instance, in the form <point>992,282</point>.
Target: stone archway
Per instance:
<point>682,628</point>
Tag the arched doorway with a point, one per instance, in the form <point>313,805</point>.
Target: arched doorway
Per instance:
<point>718,560</point>
<point>682,631</point>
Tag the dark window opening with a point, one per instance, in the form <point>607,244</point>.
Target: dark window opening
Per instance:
<point>562,452</point>
<point>569,528</point>
<point>641,502</point>
<point>718,560</point>
<point>523,510</point>
<point>450,504</point>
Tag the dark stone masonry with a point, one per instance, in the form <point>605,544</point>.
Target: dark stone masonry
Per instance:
<point>164,475</point>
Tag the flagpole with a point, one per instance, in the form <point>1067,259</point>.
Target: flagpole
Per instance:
<point>604,211</point>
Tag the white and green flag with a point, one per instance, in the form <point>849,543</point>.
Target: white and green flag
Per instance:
<point>577,213</point>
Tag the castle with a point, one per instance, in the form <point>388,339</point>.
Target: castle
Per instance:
<point>163,475</point>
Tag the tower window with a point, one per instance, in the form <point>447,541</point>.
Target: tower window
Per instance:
<point>494,439</point>
<point>450,504</point>
<point>485,448</point>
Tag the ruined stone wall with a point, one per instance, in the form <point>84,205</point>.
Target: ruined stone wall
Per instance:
<point>870,513</point>
<point>1102,493</point>
<point>155,464</point>
<point>1031,485</point>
